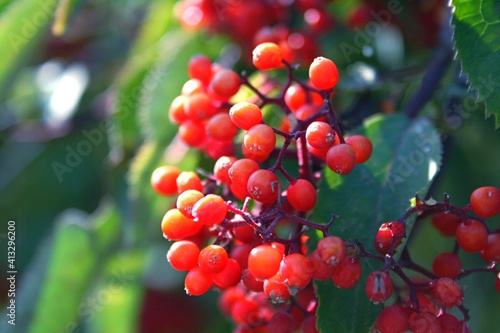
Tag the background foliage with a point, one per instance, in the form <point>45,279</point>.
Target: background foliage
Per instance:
<point>88,246</point>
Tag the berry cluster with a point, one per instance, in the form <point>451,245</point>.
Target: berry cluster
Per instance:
<point>262,21</point>
<point>421,305</point>
<point>240,228</point>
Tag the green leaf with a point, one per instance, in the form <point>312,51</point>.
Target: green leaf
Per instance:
<point>68,273</point>
<point>22,24</point>
<point>131,82</point>
<point>477,31</point>
<point>114,304</point>
<point>405,159</point>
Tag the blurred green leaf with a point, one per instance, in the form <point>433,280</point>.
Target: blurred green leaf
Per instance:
<point>477,27</point>
<point>131,83</point>
<point>114,304</point>
<point>63,12</point>
<point>405,159</point>
<point>67,276</point>
<point>22,25</point>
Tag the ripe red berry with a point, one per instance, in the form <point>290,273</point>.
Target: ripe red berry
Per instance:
<point>260,140</point>
<point>331,250</point>
<point>163,179</point>
<point>246,311</point>
<point>309,325</point>
<point>447,265</point>
<point>362,147</point>
<point>267,56</point>
<point>347,274</point>
<point>183,255</point>
<point>213,259</point>
<point>229,297</point>
<point>176,113</point>
<point>472,236</point>
<point>322,270</point>
<point>264,261</point>
<point>192,132</point>
<point>200,67</point>
<point>263,186</point>
<point>230,276</point>
<point>323,73</point>
<point>424,322</point>
<point>392,319</point>
<point>296,271</point>
<point>220,127</point>
<point>389,236</point>
<point>251,282</point>
<point>341,158</point>
<point>450,324</point>
<point>281,322</point>
<point>485,201</point>
<point>199,107</point>
<point>447,292</point>
<point>245,115</point>
<point>221,168</point>
<point>176,226</point>
<point>210,210</point>
<point>446,223</point>
<point>186,201</point>
<point>197,282</point>
<point>491,252</point>
<point>276,290</point>
<point>302,195</point>
<point>188,180</point>
<point>225,83</point>
<point>320,135</point>
<point>378,287</point>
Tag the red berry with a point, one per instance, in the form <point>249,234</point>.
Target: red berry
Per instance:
<point>230,276</point>
<point>186,201</point>
<point>448,292</point>
<point>347,274</point>
<point>392,319</point>
<point>331,250</point>
<point>240,172</point>
<point>378,287</point>
<point>199,107</point>
<point>472,236</point>
<point>302,195</point>
<point>281,322</point>
<point>183,255</point>
<point>450,324</point>
<point>492,250</point>
<point>246,311</point>
<point>320,135</point>
<point>341,158</point>
<point>188,180</point>
<point>424,323</point>
<point>225,83</point>
<point>176,113</point>
<point>200,67</point>
<point>296,271</point>
<point>163,179</point>
<point>192,132</point>
<point>276,290</point>
<point>309,325</point>
<point>176,226</point>
<point>264,261</point>
<point>251,282</point>
<point>263,186</point>
<point>229,297</point>
<point>221,168</point>
<point>447,265</point>
<point>245,115</point>
<point>213,259</point>
<point>362,147</point>
<point>210,210</point>
<point>485,201</point>
<point>220,127</point>
<point>389,236</point>
<point>446,223</point>
<point>197,282</point>
<point>267,56</point>
<point>323,73</point>
<point>260,140</point>
<point>322,270</point>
